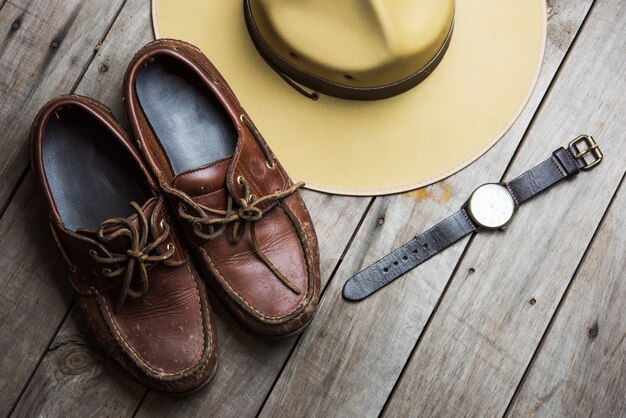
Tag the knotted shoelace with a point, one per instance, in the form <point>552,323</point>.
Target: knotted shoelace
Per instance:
<point>137,257</point>
<point>246,214</point>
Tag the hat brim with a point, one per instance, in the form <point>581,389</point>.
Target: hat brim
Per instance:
<point>385,146</point>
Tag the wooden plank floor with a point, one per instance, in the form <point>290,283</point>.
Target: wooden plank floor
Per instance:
<point>526,322</point>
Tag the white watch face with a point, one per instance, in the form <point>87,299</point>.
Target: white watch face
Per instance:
<point>491,205</point>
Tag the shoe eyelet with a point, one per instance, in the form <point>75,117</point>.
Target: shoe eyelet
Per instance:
<point>106,272</point>
<point>240,180</point>
<point>170,247</point>
<point>270,165</point>
<point>162,224</point>
<point>93,253</point>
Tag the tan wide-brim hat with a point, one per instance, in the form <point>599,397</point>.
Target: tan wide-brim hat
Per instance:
<point>468,68</point>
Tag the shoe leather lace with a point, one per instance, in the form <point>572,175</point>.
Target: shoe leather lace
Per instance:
<point>136,257</point>
<point>247,213</point>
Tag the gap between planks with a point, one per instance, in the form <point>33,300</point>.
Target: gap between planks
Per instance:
<point>563,299</point>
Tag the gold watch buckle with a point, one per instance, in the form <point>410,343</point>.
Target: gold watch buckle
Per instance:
<point>592,148</point>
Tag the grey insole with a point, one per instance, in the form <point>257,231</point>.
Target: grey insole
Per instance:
<point>185,116</point>
<point>90,174</point>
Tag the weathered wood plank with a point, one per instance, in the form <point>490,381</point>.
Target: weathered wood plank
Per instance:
<point>76,380</point>
<point>580,369</point>
<point>48,43</point>
<point>244,358</point>
<point>509,284</point>
<point>34,297</point>
<point>73,377</point>
<point>44,49</point>
<point>351,357</point>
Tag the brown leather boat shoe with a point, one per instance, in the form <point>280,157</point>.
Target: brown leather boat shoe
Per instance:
<point>133,281</point>
<point>243,217</point>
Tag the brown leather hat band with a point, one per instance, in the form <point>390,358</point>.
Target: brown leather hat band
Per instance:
<point>293,75</point>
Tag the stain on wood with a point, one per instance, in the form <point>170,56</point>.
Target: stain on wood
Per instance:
<point>440,192</point>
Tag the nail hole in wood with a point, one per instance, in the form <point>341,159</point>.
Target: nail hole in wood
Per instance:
<point>381,221</point>
<point>15,25</point>
<point>471,270</point>
<point>103,68</point>
<point>532,301</point>
<point>55,44</point>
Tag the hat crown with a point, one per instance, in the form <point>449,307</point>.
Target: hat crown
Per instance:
<point>359,43</point>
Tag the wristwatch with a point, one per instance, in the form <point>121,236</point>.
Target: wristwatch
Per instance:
<point>490,207</point>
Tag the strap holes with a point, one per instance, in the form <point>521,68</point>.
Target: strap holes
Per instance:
<point>395,263</point>
<point>405,258</point>
<point>386,270</point>
<point>425,246</point>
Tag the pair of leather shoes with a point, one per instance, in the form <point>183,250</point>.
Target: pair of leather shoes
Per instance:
<point>202,184</point>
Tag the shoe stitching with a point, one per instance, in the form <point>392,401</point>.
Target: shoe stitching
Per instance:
<point>139,358</point>
<point>188,173</point>
<point>304,236</point>
<point>243,299</point>
<point>559,169</point>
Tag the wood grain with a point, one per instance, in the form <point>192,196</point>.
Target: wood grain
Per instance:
<point>74,378</point>
<point>580,369</point>
<point>44,50</point>
<point>349,360</point>
<point>34,296</point>
<point>482,337</point>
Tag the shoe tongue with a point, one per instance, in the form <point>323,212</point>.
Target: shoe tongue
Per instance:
<point>121,243</point>
<point>206,185</point>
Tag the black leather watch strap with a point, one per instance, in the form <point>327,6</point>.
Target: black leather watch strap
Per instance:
<point>562,164</point>
<point>409,256</point>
